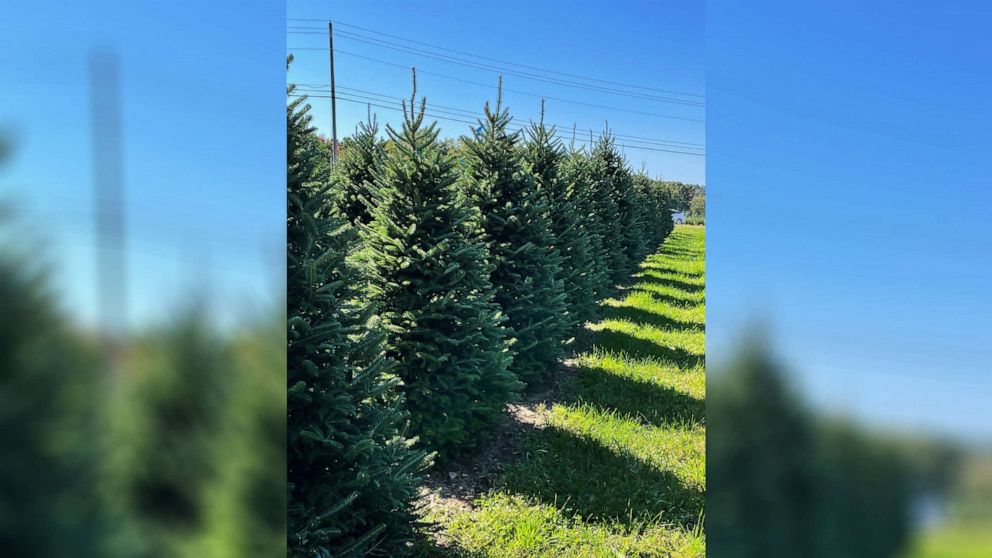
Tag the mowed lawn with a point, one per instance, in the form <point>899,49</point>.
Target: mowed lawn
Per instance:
<point>617,466</point>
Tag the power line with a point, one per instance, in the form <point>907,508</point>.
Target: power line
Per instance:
<point>471,123</point>
<point>489,86</point>
<point>475,114</point>
<point>504,61</point>
<point>483,66</point>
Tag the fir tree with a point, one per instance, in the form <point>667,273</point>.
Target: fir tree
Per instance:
<point>168,418</point>
<point>546,157</point>
<point>657,218</point>
<point>513,214</point>
<point>49,395</point>
<point>352,477</point>
<point>430,274</point>
<point>354,171</point>
<point>577,169</point>
<point>604,165</point>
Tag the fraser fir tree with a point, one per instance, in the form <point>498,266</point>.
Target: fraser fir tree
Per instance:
<point>657,218</point>
<point>352,477</point>
<point>577,170</point>
<point>545,156</point>
<point>527,273</point>
<point>353,173</point>
<point>430,274</point>
<point>604,166</point>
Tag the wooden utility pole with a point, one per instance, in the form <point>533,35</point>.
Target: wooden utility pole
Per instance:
<point>108,184</point>
<point>334,107</point>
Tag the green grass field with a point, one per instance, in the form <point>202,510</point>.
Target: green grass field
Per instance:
<point>615,466</point>
<point>954,542</point>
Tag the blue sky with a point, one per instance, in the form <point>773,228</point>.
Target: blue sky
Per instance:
<point>645,44</point>
<point>203,100</point>
<point>849,201</point>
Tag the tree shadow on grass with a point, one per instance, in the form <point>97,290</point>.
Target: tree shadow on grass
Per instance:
<point>639,316</point>
<point>581,476</point>
<point>426,545</point>
<point>633,347</point>
<point>662,268</point>
<point>647,402</point>
<point>685,286</point>
<point>681,302</point>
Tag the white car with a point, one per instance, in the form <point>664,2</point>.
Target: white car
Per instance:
<point>678,217</point>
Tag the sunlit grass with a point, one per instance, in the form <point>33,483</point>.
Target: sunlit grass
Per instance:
<point>619,467</point>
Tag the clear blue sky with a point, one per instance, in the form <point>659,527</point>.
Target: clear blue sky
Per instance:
<point>849,200</point>
<point>204,150</point>
<point>658,45</point>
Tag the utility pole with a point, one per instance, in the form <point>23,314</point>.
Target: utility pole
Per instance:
<point>108,183</point>
<point>334,107</point>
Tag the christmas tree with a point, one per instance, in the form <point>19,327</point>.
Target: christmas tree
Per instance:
<point>514,216</point>
<point>430,275</point>
<point>604,167</point>
<point>352,475</point>
<point>353,173</point>
<point>577,169</point>
<point>545,156</point>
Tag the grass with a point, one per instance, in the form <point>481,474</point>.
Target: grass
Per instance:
<point>618,467</point>
<point>954,542</point>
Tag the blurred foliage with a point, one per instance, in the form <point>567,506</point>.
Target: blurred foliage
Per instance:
<point>784,482</point>
<point>49,397</point>
<point>167,442</point>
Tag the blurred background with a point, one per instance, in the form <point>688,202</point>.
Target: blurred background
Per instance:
<point>142,268</point>
<point>849,240</point>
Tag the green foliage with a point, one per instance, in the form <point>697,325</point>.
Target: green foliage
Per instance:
<point>353,173</point>
<point>514,217</point>
<point>697,210</point>
<point>245,506</point>
<point>609,189</point>
<point>351,474</point>
<point>168,418</point>
<point>681,194</point>
<point>546,157</point>
<point>49,393</point>
<point>863,494</point>
<point>781,483</point>
<point>577,169</point>
<point>654,202</point>
<point>760,458</point>
<point>430,276</point>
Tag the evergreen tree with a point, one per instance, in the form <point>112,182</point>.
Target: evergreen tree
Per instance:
<point>352,477</point>
<point>514,218</point>
<point>354,171</point>
<point>656,217</point>
<point>430,274</point>
<point>167,419</point>
<point>49,395</point>
<point>546,157</point>
<point>246,504</point>
<point>605,184</point>
<point>577,170</point>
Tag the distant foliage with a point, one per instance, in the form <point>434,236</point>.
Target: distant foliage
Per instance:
<point>352,476</point>
<point>430,278</point>
<point>50,392</point>
<point>697,210</point>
